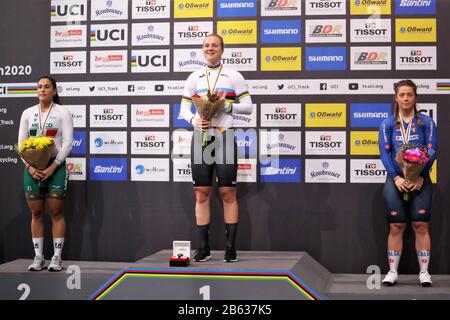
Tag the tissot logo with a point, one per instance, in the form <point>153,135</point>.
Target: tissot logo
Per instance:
<point>108,115</point>
<point>325,7</point>
<point>68,62</point>
<point>366,30</point>
<point>151,9</point>
<point>150,142</point>
<point>325,142</point>
<point>367,171</point>
<point>416,58</point>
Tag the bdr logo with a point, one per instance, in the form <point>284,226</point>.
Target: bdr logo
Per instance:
<point>108,169</point>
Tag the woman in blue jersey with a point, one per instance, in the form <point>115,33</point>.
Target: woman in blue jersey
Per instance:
<point>47,118</point>
<point>220,153</point>
<point>407,126</point>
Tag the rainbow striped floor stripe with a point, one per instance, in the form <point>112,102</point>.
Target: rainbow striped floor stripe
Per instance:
<point>301,288</point>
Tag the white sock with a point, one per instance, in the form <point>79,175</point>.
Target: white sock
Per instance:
<point>38,245</point>
<point>424,259</point>
<point>58,244</point>
<point>394,259</point>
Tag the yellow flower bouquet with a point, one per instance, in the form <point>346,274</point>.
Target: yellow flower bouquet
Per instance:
<point>37,151</point>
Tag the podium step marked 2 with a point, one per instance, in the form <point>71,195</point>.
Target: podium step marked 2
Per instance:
<point>258,275</point>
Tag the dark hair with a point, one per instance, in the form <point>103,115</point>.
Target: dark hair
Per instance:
<point>217,36</point>
<point>56,98</point>
<point>405,83</point>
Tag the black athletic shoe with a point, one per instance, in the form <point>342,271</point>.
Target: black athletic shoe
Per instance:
<point>230,255</point>
<point>202,255</point>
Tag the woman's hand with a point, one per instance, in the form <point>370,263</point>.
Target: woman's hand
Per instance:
<point>202,124</point>
<point>402,184</point>
<point>35,173</point>
<point>415,186</point>
<point>42,175</point>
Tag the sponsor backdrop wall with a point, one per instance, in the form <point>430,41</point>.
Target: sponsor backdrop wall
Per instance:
<point>320,73</point>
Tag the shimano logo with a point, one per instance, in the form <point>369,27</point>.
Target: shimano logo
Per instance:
<point>281,31</point>
<point>371,115</point>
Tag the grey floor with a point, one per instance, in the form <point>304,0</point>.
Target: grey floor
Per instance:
<point>81,279</point>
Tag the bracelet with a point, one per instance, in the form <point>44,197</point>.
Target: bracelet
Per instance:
<point>190,121</point>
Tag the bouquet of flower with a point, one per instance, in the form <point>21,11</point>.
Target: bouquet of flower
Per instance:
<point>207,106</point>
<point>412,159</point>
<point>36,151</point>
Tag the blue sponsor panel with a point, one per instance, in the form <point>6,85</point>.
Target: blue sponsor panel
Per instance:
<point>179,122</point>
<point>326,58</point>
<point>369,114</point>
<point>79,142</point>
<point>281,31</point>
<point>415,6</point>
<point>246,142</point>
<point>108,169</point>
<point>236,8</point>
<point>282,170</point>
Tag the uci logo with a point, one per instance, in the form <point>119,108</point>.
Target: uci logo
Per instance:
<point>73,10</point>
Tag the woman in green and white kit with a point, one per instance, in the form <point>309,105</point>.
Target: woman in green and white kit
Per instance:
<point>50,119</point>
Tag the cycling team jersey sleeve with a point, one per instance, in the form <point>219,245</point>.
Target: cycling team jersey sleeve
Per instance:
<point>66,135</point>
<point>23,127</point>
<point>244,101</point>
<point>385,146</point>
<point>186,100</point>
<point>430,132</point>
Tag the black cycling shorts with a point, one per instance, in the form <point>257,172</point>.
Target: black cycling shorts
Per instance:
<point>418,208</point>
<point>219,153</point>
